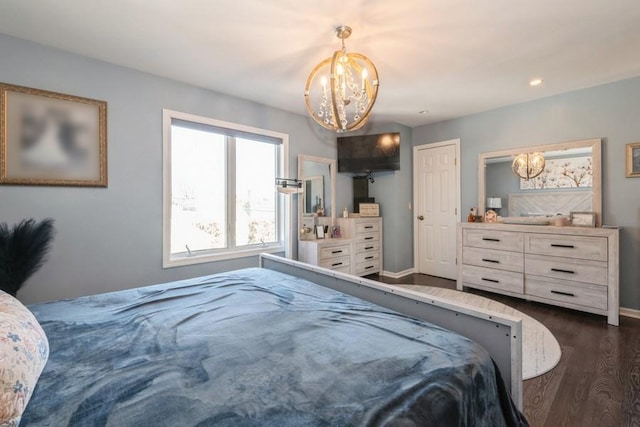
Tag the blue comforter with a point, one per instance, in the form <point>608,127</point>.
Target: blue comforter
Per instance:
<point>256,348</point>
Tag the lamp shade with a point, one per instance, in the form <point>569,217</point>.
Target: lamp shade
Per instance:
<point>494,203</point>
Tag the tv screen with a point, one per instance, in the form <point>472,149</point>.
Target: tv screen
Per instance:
<point>365,153</point>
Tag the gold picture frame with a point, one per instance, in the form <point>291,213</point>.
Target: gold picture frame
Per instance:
<point>633,160</point>
<point>49,138</point>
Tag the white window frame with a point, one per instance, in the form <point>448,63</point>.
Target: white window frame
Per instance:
<point>282,214</point>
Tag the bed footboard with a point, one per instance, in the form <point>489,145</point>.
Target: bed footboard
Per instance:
<point>499,334</point>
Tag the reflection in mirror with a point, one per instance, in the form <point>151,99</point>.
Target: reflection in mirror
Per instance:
<point>316,206</point>
<point>313,188</point>
<point>569,183</point>
<point>314,173</point>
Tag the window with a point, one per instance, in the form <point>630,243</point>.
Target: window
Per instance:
<point>220,200</point>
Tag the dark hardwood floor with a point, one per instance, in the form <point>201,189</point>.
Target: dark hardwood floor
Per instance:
<point>596,383</point>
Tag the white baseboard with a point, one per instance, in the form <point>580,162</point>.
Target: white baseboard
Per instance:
<point>399,274</point>
<point>629,312</point>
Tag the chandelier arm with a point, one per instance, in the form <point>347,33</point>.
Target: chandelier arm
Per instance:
<point>374,92</point>
<point>307,94</point>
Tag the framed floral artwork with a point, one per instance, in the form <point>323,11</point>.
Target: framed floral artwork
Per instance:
<point>571,172</point>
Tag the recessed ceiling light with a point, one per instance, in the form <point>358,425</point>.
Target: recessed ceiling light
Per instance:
<point>536,82</point>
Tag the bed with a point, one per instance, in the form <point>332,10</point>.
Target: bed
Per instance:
<point>285,344</point>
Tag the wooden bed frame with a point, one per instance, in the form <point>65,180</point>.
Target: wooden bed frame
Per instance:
<point>499,334</point>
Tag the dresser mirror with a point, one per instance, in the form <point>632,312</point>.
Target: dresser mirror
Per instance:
<point>569,182</point>
<point>318,198</point>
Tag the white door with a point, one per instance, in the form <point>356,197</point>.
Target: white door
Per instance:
<point>436,201</point>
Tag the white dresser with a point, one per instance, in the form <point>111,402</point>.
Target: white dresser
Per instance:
<point>573,267</point>
<point>358,251</point>
<point>334,254</point>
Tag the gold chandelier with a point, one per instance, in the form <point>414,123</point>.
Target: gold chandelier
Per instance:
<point>343,88</point>
<point>528,165</point>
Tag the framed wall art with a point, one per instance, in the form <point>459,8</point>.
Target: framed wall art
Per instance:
<point>48,138</point>
<point>633,160</point>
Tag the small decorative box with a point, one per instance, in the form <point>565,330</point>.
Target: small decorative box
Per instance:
<point>369,209</point>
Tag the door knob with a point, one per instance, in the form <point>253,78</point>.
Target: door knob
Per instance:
<point>420,217</point>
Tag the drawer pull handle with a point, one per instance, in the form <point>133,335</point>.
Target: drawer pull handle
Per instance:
<point>337,252</point>
<point>557,245</point>
<point>369,267</point>
<point>569,294</point>
<point>490,280</point>
<point>369,257</point>
<point>335,264</point>
<point>490,239</point>
<point>368,226</point>
<point>559,270</point>
<point>368,247</point>
<point>491,260</point>
<point>368,238</point>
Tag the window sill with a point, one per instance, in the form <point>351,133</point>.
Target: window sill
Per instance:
<point>183,260</point>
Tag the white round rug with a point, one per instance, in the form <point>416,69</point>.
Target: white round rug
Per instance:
<point>540,349</point>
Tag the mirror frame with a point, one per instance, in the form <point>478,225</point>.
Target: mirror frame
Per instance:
<point>596,153</point>
<point>331,187</point>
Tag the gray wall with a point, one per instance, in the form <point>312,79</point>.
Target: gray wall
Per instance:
<point>111,239</point>
<point>609,112</point>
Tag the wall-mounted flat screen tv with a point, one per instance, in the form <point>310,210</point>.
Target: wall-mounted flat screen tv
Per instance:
<point>364,153</point>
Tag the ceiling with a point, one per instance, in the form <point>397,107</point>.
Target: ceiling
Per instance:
<point>450,57</point>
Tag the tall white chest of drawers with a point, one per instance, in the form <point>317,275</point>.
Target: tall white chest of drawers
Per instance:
<point>572,267</point>
<point>366,236</point>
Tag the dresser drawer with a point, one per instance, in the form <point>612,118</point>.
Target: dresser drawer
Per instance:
<point>491,258</point>
<point>336,263</point>
<point>491,278</point>
<point>368,247</point>
<point>367,257</point>
<point>492,239</point>
<point>582,294</point>
<point>369,267</point>
<point>367,237</point>
<point>585,247</point>
<point>566,268</point>
<point>366,227</point>
<point>334,251</point>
